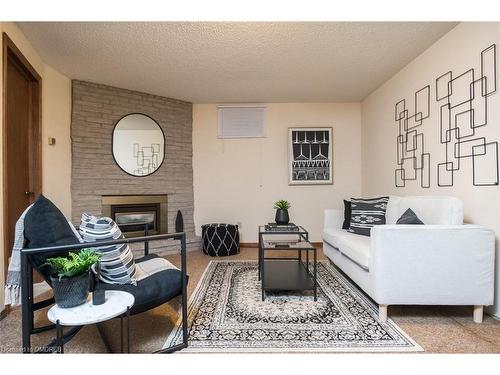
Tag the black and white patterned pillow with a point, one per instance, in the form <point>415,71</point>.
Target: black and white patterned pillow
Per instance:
<point>365,213</point>
<point>117,265</point>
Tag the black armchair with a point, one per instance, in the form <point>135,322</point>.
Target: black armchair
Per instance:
<point>149,293</point>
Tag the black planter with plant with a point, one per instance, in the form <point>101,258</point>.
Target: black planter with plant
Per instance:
<point>282,207</point>
<point>70,277</point>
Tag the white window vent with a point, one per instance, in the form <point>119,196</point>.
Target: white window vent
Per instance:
<point>241,121</point>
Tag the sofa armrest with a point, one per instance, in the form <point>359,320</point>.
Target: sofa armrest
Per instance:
<point>333,218</point>
<point>433,264</point>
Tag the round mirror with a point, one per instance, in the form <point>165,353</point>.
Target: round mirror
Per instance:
<point>138,144</point>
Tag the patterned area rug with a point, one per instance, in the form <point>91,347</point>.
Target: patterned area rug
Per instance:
<point>226,314</point>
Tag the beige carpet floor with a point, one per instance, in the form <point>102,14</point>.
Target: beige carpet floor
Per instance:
<point>436,329</point>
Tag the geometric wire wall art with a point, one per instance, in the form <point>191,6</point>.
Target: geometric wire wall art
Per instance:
<point>463,111</point>
<point>147,158</point>
<point>413,163</point>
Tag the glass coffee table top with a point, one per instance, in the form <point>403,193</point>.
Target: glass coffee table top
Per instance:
<point>299,230</point>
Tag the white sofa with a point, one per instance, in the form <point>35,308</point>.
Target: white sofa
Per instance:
<point>443,262</point>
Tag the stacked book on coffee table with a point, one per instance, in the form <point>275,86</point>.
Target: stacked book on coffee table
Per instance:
<point>273,227</point>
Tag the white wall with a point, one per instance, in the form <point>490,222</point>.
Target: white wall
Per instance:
<point>238,180</point>
<point>56,123</point>
<point>56,120</point>
<point>457,51</point>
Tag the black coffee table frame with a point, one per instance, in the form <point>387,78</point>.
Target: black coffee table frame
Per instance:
<point>287,273</point>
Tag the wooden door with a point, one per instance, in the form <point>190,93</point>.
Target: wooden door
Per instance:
<point>21,138</point>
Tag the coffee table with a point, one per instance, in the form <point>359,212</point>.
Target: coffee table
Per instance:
<point>286,273</point>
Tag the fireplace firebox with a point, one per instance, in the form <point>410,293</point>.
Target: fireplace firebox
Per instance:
<point>133,213</point>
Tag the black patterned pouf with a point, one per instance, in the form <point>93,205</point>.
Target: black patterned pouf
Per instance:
<point>220,240</point>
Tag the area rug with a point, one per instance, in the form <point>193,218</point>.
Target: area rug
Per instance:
<point>227,314</point>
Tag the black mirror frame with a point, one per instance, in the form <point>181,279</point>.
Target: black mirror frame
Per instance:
<point>112,144</point>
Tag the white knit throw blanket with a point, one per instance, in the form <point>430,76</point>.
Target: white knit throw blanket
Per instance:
<point>13,285</point>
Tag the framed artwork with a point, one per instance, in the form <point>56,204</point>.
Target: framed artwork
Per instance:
<point>310,156</point>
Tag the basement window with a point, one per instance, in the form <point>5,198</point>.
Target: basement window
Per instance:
<point>241,121</point>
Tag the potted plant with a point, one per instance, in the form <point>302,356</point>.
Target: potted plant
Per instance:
<point>70,277</point>
<point>282,207</point>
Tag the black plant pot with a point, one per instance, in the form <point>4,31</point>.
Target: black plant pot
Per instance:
<point>71,291</point>
<point>281,217</point>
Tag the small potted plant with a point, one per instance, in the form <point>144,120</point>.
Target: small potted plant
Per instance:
<point>282,207</point>
<point>70,277</point>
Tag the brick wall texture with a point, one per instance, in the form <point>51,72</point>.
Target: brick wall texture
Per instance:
<point>96,109</point>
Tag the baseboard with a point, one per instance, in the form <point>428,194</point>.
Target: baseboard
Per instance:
<point>256,244</point>
<point>249,244</point>
<point>497,318</point>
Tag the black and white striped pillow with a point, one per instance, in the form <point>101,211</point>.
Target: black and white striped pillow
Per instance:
<point>117,264</point>
<point>365,213</point>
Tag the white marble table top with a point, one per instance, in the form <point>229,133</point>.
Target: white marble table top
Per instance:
<point>115,305</point>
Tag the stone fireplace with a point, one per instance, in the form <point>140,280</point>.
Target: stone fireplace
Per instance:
<point>100,187</point>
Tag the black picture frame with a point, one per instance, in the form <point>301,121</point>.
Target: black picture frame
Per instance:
<point>309,160</point>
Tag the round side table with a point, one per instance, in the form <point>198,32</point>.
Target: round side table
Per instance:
<point>117,304</point>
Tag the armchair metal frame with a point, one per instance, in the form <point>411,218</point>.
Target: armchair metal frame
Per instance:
<point>29,307</point>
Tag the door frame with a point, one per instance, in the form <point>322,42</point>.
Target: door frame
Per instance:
<point>10,51</point>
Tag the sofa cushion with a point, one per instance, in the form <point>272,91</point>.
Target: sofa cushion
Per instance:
<point>149,265</point>
<point>353,246</point>
<point>154,289</point>
<point>434,210</point>
<point>117,261</point>
<point>392,212</point>
<point>46,226</point>
<point>365,213</point>
<point>347,214</point>
<point>356,248</point>
<point>333,235</point>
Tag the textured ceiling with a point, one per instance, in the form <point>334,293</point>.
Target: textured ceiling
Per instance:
<point>238,61</point>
